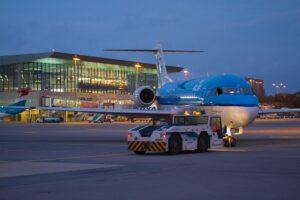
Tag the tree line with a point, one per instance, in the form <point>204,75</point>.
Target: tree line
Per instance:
<point>283,100</point>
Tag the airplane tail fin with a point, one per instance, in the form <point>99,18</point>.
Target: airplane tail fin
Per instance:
<point>163,77</point>
<point>21,100</point>
<point>162,74</point>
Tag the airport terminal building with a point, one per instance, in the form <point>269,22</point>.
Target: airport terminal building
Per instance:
<point>258,86</point>
<point>64,79</point>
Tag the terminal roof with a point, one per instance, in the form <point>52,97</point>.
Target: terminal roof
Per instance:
<point>14,59</point>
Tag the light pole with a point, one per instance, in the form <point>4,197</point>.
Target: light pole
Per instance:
<point>278,86</point>
<point>76,59</point>
<point>137,67</point>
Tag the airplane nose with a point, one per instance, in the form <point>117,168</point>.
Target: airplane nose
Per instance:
<point>247,115</point>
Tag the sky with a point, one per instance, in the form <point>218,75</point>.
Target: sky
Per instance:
<point>249,38</point>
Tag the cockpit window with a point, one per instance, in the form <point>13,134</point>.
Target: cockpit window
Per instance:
<point>217,91</point>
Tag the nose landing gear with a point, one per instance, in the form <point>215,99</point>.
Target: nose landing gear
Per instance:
<point>229,141</point>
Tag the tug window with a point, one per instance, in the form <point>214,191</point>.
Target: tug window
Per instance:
<point>190,120</point>
<point>216,125</point>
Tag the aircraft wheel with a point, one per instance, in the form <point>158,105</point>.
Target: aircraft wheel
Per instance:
<point>175,144</point>
<point>233,142</point>
<point>229,141</point>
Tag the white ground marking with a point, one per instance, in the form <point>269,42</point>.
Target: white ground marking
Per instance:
<point>25,168</point>
<point>29,132</point>
<point>228,149</point>
<point>285,137</point>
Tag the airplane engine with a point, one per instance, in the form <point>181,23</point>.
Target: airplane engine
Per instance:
<point>144,96</point>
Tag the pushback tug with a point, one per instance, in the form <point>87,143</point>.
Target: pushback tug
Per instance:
<point>184,133</point>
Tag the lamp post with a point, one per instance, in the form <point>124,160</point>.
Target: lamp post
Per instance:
<point>278,86</point>
<point>76,59</point>
<point>137,67</point>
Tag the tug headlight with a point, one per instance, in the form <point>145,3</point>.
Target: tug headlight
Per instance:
<point>129,136</point>
<point>164,135</point>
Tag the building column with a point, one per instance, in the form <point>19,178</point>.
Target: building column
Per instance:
<point>66,116</point>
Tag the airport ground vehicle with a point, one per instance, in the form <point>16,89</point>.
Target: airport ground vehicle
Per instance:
<point>101,118</point>
<point>107,119</point>
<point>49,120</point>
<point>184,133</point>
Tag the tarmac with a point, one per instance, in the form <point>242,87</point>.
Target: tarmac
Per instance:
<point>91,161</point>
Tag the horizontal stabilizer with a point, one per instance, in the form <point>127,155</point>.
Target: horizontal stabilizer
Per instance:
<point>155,50</point>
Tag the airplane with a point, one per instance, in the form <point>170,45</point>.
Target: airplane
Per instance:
<point>227,95</point>
<point>17,107</point>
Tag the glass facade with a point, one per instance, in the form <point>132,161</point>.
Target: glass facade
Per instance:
<point>65,75</point>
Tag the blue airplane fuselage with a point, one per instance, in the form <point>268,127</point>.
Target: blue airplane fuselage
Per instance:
<point>228,95</point>
<point>12,108</point>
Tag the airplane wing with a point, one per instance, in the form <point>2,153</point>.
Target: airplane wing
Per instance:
<point>124,112</point>
<point>16,107</point>
<point>282,110</point>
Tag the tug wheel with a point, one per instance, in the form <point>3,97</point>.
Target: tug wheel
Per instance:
<point>175,144</point>
<point>202,145</point>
